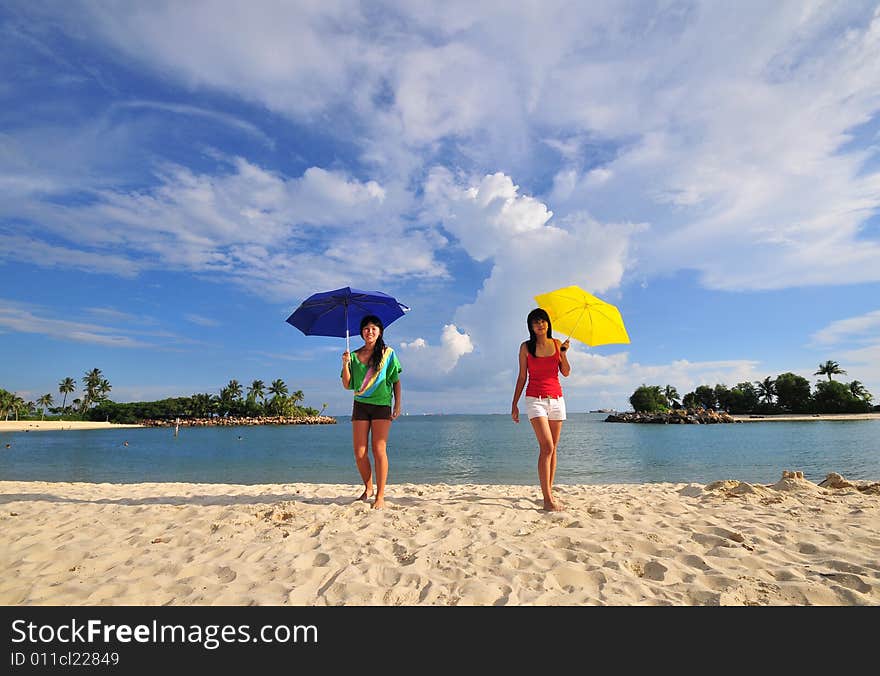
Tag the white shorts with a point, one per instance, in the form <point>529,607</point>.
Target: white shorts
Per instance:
<point>552,408</point>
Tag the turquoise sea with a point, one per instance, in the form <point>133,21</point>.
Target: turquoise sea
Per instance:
<point>452,449</point>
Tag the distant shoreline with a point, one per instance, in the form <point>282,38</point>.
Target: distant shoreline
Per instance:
<point>805,417</point>
<point>57,425</point>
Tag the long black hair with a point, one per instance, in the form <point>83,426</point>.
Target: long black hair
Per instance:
<point>379,348</point>
<point>537,313</point>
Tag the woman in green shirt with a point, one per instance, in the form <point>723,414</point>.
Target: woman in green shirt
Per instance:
<point>373,372</point>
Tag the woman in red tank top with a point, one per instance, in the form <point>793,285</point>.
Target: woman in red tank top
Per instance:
<point>541,359</point>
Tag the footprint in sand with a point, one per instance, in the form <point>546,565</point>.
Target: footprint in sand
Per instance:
<point>226,574</point>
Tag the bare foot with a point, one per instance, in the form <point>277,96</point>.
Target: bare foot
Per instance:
<point>365,496</point>
<point>550,506</point>
<point>379,502</point>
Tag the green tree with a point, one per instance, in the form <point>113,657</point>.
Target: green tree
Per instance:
<point>723,397</point>
<point>65,387</point>
<point>92,382</point>
<point>766,389</point>
<point>5,403</point>
<point>104,388</point>
<point>201,405</point>
<point>706,397</point>
<point>257,390</point>
<point>278,390</point>
<point>690,400</point>
<point>793,393</point>
<point>743,398</point>
<point>829,368</point>
<point>672,398</point>
<point>18,404</point>
<point>834,397</point>
<point>44,402</point>
<point>859,392</point>
<point>648,399</point>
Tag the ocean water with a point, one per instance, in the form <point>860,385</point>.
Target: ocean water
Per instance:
<point>452,449</point>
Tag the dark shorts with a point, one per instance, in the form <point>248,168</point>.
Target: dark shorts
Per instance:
<point>362,411</point>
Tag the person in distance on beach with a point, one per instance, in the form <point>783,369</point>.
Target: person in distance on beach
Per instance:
<point>373,372</point>
<point>541,359</point>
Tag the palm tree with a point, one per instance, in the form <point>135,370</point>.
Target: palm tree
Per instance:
<point>278,390</point>
<point>829,368</point>
<point>256,390</point>
<point>92,381</point>
<point>65,387</point>
<point>766,389</point>
<point>859,392</point>
<point>234,390</point>
<point>17,404</point>
<point>201,405</point>
<point>44,402</point>
<point>5,403</point>
<point>671,395</point>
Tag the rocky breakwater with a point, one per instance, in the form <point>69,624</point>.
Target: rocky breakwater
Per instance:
<point>681,416</point>
<point>234,421</point>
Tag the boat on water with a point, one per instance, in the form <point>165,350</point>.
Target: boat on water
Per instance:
<point>604,410</point>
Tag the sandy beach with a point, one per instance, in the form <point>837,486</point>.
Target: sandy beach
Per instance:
<point>725,543</point>
<point>801,417</point>
<point>52,425</point>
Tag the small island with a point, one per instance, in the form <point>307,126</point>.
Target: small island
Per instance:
<point>274,404</point>
<point>787,397</point>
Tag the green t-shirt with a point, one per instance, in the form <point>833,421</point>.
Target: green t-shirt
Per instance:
<point>378,386</point>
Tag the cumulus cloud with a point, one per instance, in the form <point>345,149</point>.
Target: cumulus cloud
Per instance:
<point>529,253</point>
<point>426,362</point>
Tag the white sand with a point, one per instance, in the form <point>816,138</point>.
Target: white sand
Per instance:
<point>47,425</point>
<point>682,544</point>
<point>803,417</point>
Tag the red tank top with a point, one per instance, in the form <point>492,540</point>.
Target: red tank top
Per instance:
<point>544,375</point>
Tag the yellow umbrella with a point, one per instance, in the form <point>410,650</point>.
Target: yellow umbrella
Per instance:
<point>583,316</point>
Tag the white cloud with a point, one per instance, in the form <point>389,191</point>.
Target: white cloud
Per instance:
<point>428,363</point>
<point>213,115</point>
<point>530,255</point>
<point>21,320</point>
<point>279,236</point>
<point>725,128</point>
<point>23,249</point>
<point>865,327</point>
<point>200,320</point>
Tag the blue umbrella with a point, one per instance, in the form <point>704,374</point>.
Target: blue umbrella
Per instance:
<point>339,312</point>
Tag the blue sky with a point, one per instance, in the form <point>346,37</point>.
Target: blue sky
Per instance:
<point>176,177</point>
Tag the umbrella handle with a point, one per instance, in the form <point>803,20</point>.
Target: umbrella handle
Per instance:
<point>347,345</point>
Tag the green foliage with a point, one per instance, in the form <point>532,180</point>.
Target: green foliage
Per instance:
<point>649,399</point>
<point>744,398</point>
<point>788,393</point>
<point>229,402</point>
<point>834,397</point>
<point>672,398</point>
<point>706,397</point>
<point>793,393</point>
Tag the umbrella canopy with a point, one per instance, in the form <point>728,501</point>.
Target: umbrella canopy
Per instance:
<point>583,316</point>
<point>338,313</point>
